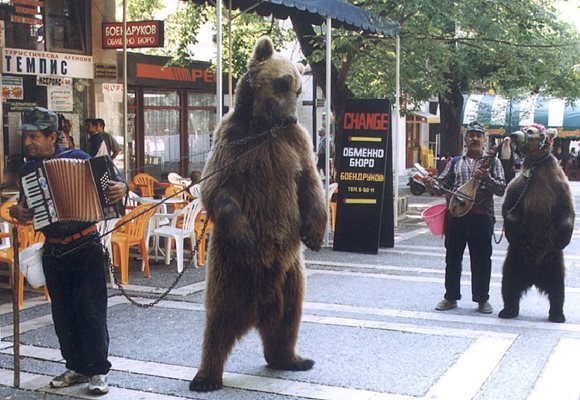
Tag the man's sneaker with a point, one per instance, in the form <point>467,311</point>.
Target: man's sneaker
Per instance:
<point>445,305</point>
<point>68,378</point>
<point>98,384</point>
<point>484,307</point>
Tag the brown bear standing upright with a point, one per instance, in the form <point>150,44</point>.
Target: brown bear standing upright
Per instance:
<point>538,214</point>
<point>264,196</point>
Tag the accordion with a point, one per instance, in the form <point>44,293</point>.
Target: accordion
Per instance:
<point>68,189</point>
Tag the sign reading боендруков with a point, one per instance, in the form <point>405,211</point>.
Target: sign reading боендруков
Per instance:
<point>139,34</point>
<point>363,165</point>
<point>32,62</point>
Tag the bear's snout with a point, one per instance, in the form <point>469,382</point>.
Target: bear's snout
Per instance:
<point>281,111</point>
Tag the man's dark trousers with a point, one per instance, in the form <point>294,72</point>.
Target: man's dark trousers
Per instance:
<point>475,230</point>
<point>78,292</point>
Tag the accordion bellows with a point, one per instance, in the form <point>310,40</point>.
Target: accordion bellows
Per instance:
<point>68,189</point>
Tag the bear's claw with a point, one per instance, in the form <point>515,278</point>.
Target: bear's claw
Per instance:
<point>199,384</point>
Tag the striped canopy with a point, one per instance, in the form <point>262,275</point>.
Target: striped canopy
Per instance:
<point>503,115</point>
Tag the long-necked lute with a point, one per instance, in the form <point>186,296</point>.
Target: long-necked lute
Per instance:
<point>463,199</point>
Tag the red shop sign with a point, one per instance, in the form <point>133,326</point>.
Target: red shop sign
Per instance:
<point>139,34</point>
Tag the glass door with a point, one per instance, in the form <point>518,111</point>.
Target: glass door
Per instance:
<point>161,123</point>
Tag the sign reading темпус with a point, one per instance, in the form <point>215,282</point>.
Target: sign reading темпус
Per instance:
<point>139,34</point>
<point>362,164</point>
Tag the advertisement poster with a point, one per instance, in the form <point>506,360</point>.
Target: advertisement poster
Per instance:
<point>60,99</point>
<point>12,88</point>
<point>364,152</point>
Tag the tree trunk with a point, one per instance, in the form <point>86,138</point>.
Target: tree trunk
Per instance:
<point>340,92</point>
<point>451,105</point>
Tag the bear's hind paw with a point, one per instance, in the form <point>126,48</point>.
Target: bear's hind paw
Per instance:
<point>560,318</point>
<point>298,364</point>
<point>199,384</point>
<point>508,313</point>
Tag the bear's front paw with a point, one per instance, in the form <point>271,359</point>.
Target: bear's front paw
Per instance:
<point>313,242</point>
<point>200,384</point>
<point>240,235</point>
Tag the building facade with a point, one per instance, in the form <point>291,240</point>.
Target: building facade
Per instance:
<point>55,54</point>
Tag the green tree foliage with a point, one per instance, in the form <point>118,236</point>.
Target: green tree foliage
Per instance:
<point>448,48</point>
<point>183,25</point>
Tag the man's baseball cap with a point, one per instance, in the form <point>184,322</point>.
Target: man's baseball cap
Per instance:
<point>39,119</point>
<point>475,127</point>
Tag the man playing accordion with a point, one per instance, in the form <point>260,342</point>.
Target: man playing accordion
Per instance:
<point>73,264</point>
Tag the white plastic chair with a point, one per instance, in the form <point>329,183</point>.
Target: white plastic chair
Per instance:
<point>172,232</point>
<point>195,190</point>
<point>174,178</point>
<point>177,180</point>
<point>4,241</point>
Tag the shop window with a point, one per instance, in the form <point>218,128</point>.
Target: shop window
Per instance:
<point>161,132</point>
<point>66,24</point>
<point>200,127</point>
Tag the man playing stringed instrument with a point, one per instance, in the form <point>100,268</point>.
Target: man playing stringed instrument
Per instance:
<point>473,179</point>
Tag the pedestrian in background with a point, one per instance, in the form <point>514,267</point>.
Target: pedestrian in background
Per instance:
<point>113,147</point>
<point>321,153</point>
<point>506,154</point>
<point>65,140</point>
<point>475,228</point>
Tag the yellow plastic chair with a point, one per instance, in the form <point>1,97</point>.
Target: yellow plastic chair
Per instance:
<point>198,227</point>
<point>130,231</point>
<point>26,237</point>
<point>146,184</point>
<point>179,193</point>
<point>332,188</point>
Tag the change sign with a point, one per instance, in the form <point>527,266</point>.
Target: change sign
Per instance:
<point>363,163</point>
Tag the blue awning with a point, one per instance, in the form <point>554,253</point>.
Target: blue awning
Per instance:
<point>343,14</point>
<point>502,114</point>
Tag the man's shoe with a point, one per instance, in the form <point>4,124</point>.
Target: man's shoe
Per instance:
<point>445,305</point>
<point>484,307</point>
<point>68,378</point>
<point>98,384</point>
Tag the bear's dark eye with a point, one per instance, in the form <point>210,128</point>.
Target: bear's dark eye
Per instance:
<point>282,85</point>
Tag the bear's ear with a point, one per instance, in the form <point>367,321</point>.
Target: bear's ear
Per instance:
<point>263,50</point>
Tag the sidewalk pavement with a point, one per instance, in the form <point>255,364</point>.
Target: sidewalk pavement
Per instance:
<point>369,323</point>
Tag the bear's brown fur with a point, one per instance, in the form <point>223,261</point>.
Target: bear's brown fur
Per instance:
<point>265,198</point>
<point>538,214</point>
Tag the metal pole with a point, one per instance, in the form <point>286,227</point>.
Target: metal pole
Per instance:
<point>328,127</point>
<point>230,58</point>
<point>125,110</point>
<point>396,135</point>
<point>15,310</point>
<point>219,95</point>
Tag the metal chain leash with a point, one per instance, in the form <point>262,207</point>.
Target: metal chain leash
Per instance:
<point>124,293</point>
<point>517,203</point>
<point>240,142</point>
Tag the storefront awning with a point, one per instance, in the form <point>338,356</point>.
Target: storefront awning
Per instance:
<point>503,115</point>
<point>342,13</point>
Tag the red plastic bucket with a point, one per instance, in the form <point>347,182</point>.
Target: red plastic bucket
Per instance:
<point>434,216</point>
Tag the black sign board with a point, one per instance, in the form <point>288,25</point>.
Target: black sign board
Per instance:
<point>364,151</point>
